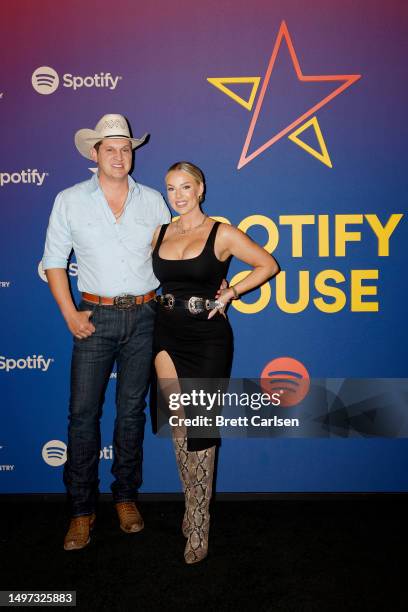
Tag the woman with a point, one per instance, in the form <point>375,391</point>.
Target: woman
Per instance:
<point>193,338</point>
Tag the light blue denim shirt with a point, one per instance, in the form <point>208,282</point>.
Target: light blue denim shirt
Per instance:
<point>112,257</point>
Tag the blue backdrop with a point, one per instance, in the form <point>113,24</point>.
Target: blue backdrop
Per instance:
<point>301,133</point>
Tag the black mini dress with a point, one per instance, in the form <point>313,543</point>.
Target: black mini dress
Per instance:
<point>199,347</point>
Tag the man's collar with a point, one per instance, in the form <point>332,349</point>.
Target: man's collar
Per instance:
<point>132,184</point>
<point>95,185</point>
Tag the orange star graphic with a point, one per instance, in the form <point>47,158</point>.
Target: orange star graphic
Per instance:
<point>345,79</point>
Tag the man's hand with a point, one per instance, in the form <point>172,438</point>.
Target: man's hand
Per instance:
<point>79,324</point>
<point>78,321</point>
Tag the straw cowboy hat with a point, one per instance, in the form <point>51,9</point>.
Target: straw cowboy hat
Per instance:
<point>110,126</point>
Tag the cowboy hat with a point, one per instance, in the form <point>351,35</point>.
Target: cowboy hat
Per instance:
<point>110,126</point>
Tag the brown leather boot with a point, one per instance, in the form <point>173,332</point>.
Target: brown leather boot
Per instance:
<point>201,470</point>
<point>78,534</point>
<point>130,519</point>
<point>180,447</point>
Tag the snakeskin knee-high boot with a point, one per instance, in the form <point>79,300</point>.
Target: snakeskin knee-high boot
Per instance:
<point>180,447</point>
<point>201,471</point>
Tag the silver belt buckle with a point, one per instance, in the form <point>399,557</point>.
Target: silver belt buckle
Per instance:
<point>124,301</point>
<point>193,308</point>
<point>170,301</point>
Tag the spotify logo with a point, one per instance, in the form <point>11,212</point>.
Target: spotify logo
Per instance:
<point>54,453</point>
<point>288,378</point>
<point>45,80</point>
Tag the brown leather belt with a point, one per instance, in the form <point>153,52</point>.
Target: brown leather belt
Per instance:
<point>123,301</point>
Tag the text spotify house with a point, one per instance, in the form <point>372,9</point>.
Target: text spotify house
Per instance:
<point>325,236</point>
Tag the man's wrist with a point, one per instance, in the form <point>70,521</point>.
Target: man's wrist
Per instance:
<point>68,312</point>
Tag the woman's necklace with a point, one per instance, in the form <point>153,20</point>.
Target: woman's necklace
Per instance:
<point>185,231</point>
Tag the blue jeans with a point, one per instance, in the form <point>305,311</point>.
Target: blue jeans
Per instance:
<point>124,336</point>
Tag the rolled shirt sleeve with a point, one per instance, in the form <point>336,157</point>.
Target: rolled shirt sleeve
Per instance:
<point>58,243</point>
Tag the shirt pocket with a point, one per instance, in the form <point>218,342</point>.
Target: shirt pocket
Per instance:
<point>88,234</point>
<point>138,235</point>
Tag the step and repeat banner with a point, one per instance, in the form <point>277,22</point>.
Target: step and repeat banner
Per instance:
<point>296,112</point>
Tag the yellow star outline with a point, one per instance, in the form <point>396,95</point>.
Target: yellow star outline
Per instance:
<point>218,82</point>
<point>323,156</point>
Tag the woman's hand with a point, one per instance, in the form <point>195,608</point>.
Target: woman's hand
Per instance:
<point>223,297</point>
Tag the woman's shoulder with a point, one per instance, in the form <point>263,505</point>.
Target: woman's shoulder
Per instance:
<point>227,231</point>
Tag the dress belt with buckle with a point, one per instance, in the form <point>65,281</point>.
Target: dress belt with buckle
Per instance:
<point>122,302</point>
<point>194,304</point>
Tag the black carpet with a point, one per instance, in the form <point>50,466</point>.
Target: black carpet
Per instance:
<point>323,555</point>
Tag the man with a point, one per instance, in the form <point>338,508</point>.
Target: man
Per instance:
<point>109,221</point>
